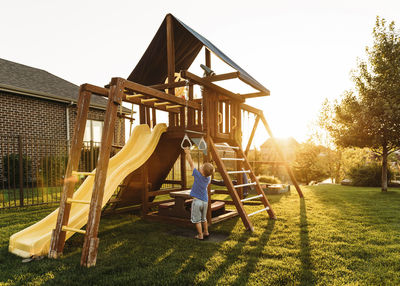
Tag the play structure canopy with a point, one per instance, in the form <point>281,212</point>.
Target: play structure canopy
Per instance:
<point>152,67</point>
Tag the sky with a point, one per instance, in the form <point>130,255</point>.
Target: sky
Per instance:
<point>302,51</point>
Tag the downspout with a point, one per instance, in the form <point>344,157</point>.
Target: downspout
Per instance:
<point>67,119</point>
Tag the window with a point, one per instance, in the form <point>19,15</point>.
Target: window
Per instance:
<point>93,130</point>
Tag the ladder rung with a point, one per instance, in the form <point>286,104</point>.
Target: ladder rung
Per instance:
<point>173,106</point>
<point>238,172</point>
<point>69,201</point>
<point>244,185</point>
<point>256,212</point>
<point>134,96</point>
<point>161,103</point>
<point>226,146</point>
<point>75,173</point>
<point>232,159</point>
<point>148,100</point>
<point>117,146</point>
<point>66,228</point>
<point>251,198</point>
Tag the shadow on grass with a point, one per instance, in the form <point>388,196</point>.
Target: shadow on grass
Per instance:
<point>307,277</point>
<point>255,255</point>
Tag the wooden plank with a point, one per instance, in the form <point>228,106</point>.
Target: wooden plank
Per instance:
<point>225,216</point>
<point>170,52</point>
<point>171,64</point>
<point>206,83</point>
<point>159,94</point>
<point>58,236</point>
<point>163,192</point>
<point>227,117</point>
<point>90,246</point>
<point>183,171</point>
<point>228,183</point>
<point>224,192</point>
<point>163,86</point>
<point>253,131</point>
<point>154,117</point>
<point>280,153</point>
<point>142,114</point>
<point>191,111</point>
<point>254,94</point>
<point>224,76</point>
<point>155,105</point>
<point>207,57</point>
<point>251,109</point>
<point>97,90</point>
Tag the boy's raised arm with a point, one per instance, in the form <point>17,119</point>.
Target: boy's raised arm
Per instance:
<point>189,158</point>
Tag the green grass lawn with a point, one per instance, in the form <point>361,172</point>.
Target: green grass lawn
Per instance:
<point>335,236</point>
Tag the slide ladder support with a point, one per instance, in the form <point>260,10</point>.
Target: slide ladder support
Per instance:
<point>236,195</point>
<point>58,235</point>
<point>91,242</point>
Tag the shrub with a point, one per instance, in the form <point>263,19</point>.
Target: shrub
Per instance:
<point>269,180</point>
<point>51,170</point>
<point>367,175</point>
<point>11,170</point>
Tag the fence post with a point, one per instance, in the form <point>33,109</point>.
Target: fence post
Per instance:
<point>21,172</point>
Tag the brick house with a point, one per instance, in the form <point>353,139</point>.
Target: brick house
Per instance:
<point>37,118</point>
<point>34,102</point>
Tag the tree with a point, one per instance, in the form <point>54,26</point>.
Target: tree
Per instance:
<point>369,115</point>
<point>310,164</point>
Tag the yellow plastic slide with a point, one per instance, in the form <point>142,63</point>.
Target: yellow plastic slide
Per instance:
<point>35,240</point>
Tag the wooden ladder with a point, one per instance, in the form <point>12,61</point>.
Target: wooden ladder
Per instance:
<point>91,241</point>
<point>233,189</point>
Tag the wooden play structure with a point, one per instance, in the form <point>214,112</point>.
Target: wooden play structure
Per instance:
<point>215,117</point>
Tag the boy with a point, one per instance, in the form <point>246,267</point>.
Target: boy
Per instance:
<point>199,194</point>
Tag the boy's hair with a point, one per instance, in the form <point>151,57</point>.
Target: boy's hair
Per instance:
<point>208,169</point>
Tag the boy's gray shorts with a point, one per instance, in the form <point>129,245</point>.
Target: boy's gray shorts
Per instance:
<point>199,211</point>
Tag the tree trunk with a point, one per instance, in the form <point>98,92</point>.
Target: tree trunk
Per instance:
<point>384,169</point>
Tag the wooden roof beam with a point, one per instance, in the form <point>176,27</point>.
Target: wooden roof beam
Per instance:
<point>205,82</point>
<point>139,88</point>
<point>255,94</point>
<point>223,76</point>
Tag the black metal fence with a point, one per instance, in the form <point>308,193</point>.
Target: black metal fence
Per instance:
<point>32,169</point>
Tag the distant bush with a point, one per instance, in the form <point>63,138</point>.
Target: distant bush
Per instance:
<point>11,170</point>
<point>269,180</point>
<point>367,175</point>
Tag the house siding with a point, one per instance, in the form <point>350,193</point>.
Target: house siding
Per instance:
<point>33,117</point>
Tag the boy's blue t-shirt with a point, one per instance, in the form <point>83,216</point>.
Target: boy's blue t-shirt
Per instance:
<point>199,188</point>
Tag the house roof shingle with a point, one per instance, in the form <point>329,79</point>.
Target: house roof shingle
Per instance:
<point>19,78</point>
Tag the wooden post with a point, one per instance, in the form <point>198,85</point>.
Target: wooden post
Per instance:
<point>253,131</point>
<point>90,246</point>
<point>183,171</point>
<point>171,63</point>
<point>208,57</point>
<point>288,169</point>
<point>190,112</point>
<point>58,236</point>
<point>153,117</point>
<point>142,114</point>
